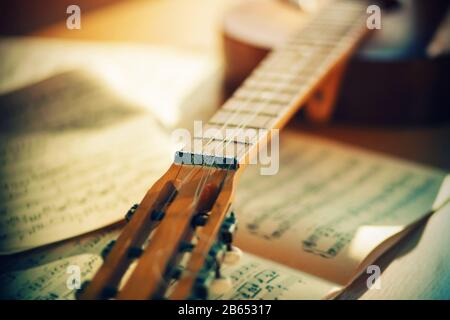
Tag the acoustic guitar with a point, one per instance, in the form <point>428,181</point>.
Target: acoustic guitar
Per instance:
<point>177,238</point>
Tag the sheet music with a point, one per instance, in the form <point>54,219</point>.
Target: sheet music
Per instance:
<point>417,268</point>
<point>330,205</point>
<point>73,158</point>
<point>59,186</point>
<point>176,87</point>
<point>78,145</point>
<point>90,243</point>
<point>48,282</point>
<point>255,278</point>
<point>42,272</point>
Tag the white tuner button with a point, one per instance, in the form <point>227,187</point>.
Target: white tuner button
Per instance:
<point>220,286</point>
<point>232,256</point>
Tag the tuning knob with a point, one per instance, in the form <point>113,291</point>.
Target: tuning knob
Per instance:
<point>220,286</point>
<point>157,215</point>
<point>199,220</point>
<point>228,228</point>
<point>232,255</point>
<point>82,289</point>
<point>131,212</point>
<point>107,249</point>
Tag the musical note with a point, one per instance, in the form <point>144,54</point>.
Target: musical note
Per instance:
<point>256,278</point>
<point>49,281</point>
<point>83,137</point>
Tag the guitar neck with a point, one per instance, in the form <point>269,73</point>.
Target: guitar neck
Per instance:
<point>278,87</point>
<point>188,208</point>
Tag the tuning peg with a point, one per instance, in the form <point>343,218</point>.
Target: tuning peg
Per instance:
<point>83,287</point>
<point>199,220</point>
<point>131,212</point>
<point>177,272</point>
<point>232,255</point>
<point>220,286</point>
<point>216,250</point>
<point>108,293</point>
<point>157,215</point>
<point>134,252</point>
<point>107,249</point>
<point>202,283</point>
<point>186,246</point>
<point>228,228</point>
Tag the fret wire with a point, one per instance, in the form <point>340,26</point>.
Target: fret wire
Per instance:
<point>332,55</point>
<point>243,136</point>
<point>244,126</point>
<point>243,111</point>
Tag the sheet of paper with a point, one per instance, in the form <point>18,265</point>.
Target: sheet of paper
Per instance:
<point>61,185</point>
<point>84,131</point>
<point>42,273</point>
<point>50,281</point>
<point>176,87</point>
<point>255,278</point>
<point>90,243</point>
<point>73,158</point>
<point>330,205</point>
<point>417,268</point>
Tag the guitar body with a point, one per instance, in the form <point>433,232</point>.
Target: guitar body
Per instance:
<point>390,79</point>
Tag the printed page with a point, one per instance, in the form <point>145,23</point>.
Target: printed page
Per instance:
<point>86,134</point>
<point>62,185</point>
<point>42,273</point>
<point>176,87</point>
<point>253,278</point>
<point>330,205</point>
<point>50,281</point>
<point>91,243</point>
<point>73,158</point>
<point>418,268</point>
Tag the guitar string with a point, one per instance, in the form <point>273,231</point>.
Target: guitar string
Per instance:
<point>247,101</point>
<point>320,69</point>
<point>279,86</point>
<point>203,179</point>
<point>324,62</point>
<point>250,98</point>
<point>205,176</point>
<point>296,66</point>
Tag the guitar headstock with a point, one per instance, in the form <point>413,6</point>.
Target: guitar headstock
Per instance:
<point>174,240</point>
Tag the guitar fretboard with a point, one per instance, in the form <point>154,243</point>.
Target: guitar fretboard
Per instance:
<point>278,87</point>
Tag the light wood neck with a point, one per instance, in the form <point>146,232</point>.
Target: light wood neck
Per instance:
<point>278,87</point>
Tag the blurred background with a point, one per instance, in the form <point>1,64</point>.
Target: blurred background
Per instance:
<point>400,76</point>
